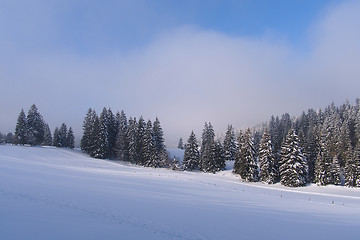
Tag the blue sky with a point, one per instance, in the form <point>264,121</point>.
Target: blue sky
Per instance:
<point>187,62</point>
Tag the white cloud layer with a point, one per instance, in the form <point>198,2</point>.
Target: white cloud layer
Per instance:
<point>190,75</point>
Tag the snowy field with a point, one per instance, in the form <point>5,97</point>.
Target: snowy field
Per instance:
<point>50,193</point>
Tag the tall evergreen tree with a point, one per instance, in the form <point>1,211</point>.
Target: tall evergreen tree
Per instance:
<point>352,168</point>
<point>180,144</point>
<point>191,155</point>
<point>70,138</point>
<point>87,129</point>
<point>47,136</point>
<point>229,144</point>
<point>122,143</point>
<point>159,141</point>
<point>151,158</point>
<point>208,142</point>
<point>132,140</point>
<point>35,126</point>
<point>268,169</point>
<point>248,159</point>
<point>56,138</point>
<point>21,129</point>
<point>293,165</point>
<point>239,167</point>
<point>103,146</point>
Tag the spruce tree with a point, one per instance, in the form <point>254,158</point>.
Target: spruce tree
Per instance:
<point>122,143</point>
<point>238,165</point>
<point>103,146</point>
<point>229,144</point>
<point>206,154</point>
<point>219,157</point>
<point>191,155</point>
<point>35,126</point>
<point>132,140</point>
<point>47,136</point>
<point>352,168</point>
<point>180,144</point>
<point>70,138</point>
<point>151,158</point>
<point>293,165</point>
<point>87,129</point>
<point>62,136</point>
<point>21,129</point>
<point>268,169</point>
<point>140,141</point>
<point>159,142</point>
<point>56,138</point>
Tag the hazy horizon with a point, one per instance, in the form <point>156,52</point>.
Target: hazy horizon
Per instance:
<point>187,63</point>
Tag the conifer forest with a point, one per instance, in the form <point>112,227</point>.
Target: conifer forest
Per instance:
<point>319,146</point>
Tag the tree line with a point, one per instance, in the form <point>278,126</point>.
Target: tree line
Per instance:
<point>320,147</point>
<point>33,130</point>
<point>110,136</point>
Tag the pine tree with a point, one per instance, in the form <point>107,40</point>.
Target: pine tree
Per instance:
<point>70,138</point>
<point>208,142</point>
<point>191,155</point>
<point>47,136</point>
<point>21,129</point>
<point>249,161</point>
<point>268,169</point>
<point>239,167</point>
<point>62,135</point>
<point>132,140</point>
<point>151,158</point>
<point>35,126</point>
<point>159,142</point>
<point>352,168</point>
<point>122,143</point>
<point>103,150</point>
<point>219,157</point>
<point>56,138</point>
<point>180,144</point>
<point>293,166</point>
<point>229,144</point>
<point>112,129</point>
<point>87,129</point>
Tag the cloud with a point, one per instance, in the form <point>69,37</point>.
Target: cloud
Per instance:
<point>189,75</point>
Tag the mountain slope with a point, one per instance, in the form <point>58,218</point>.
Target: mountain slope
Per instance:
<point>51,193</point>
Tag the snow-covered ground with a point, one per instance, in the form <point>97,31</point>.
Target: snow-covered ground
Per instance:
<point>50,193</point>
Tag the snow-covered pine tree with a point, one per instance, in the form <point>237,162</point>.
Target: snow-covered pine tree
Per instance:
<point>35,126</point>
<point>219,158</point>
<point>151,158</point>
<point>21,129</point>
<point>180,144</point>
<point>239,167</point>
<point>207,145</point>
<point>352,169</point>
<point>47,136</point>
<point>268,169</point>
<point>103,150</point>
<point>122,143</point>
<point>229,144</point>
<point>132,140</point>
<point>112,129</point>
<point>191,155</point>
<point>140,137</point>
<point>250,169</point>
<point>90,136</point>
<point>70,138</point>
<point>56,138</point>
<point>293,165</point>
<point>62,136</point>
<point>159,142</point>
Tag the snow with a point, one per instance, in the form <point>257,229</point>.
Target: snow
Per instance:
<point>53,193</point>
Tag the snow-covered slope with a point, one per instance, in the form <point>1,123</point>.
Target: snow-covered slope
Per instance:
<point>50,193</point>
